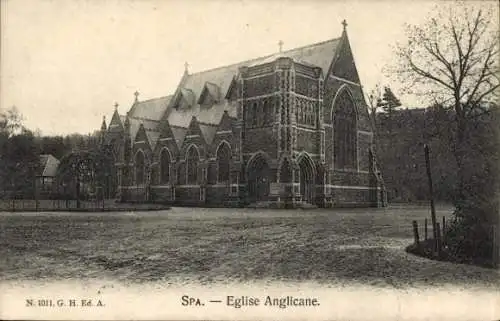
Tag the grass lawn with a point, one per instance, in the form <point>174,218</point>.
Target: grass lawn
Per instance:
<point>341,246</point>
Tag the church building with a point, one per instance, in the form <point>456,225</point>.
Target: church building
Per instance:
<point>286,130</point>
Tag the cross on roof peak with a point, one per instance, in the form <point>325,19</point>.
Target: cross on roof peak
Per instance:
<point>186,66</point>
<point>136,94</point>
<point>116,105</point>
<point>344,24</point>
<point>280,44</point>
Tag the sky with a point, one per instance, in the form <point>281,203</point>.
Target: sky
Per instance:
<point>64,64</point>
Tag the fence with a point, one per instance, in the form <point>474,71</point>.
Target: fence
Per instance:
<point>440,234</point>
<point>19,205</point>
<point>441,241</point>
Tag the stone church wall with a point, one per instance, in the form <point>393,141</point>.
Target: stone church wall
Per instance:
<point>307,141</point>
<point>261,139</point>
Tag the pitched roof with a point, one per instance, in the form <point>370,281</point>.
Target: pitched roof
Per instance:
<point>48,165</point>
<point>135,123</point>
<point>116,122</point>
<point>152,109</point>
<point>319,54</point>
<point>189,96</point>
<point>212,115</point>
<point>217,82</point>
<point>212,90</point>
<point>273,57</point>
<point>179,134</point>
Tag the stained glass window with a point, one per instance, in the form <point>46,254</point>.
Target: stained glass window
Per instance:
<point>192,161</point>
<point>164,166</point>
<point>139,168</point>
<point>344,132</point>
<point>223,161</point>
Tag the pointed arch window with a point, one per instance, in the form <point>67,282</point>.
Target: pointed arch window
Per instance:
<point>192,161</point>
<point>223,163</point>
<point>164,166</point>
<point>139,168</point>
<point>254,114</point>
<point>345,132</point>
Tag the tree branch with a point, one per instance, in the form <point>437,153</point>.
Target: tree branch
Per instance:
<point>427,74</point>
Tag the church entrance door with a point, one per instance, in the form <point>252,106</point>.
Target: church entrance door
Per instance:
<point>258,179</point>
<point>307,179</point>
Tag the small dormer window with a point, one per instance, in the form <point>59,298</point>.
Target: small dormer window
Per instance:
<point>210,95</point>
<point>185,99</point>
<point>207,101</point>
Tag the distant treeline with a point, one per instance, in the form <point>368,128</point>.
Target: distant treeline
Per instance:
<point>20,150</point>
<point>400,139</point>
<point>58,146</point>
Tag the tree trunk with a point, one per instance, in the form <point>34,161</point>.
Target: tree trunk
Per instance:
<point>460,155</point>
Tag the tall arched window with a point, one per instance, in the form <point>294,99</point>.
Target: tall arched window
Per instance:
<point>255,116</point>
<point>223,163</point>
<point>164,166</point>
<point>192,160</point>
<point>344,140</point>
<point>139,168</point>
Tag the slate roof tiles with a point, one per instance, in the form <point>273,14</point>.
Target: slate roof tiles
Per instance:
<point>152,109</point>
<point>217,82</point>
<point>320,54</point>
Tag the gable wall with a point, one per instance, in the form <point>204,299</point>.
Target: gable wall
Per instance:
<point>364,127</point>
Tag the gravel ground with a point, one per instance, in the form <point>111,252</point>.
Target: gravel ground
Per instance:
<point>331,247</point>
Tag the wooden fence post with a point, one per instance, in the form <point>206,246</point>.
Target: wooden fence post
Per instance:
<point>444,231</point>
<point>425,228</point>
<point>35,195</point>
<point>431,193</point>
<point>438,239</point>
<point>415,233</point>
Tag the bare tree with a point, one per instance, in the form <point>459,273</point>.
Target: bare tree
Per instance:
<point>452,60</point>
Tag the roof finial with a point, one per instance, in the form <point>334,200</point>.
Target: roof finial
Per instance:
<point>136,94</point>
<point>116,105</point>
<point>280,44</point>
<point>186,67</point>
<point>344,24</point>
